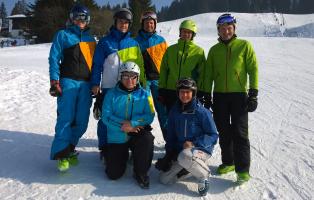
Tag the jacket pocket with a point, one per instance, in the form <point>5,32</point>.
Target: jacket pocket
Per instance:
<point>239,79</point>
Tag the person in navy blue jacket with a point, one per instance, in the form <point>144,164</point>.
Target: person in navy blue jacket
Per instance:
<point>190,140</point>
<point>70,62</point>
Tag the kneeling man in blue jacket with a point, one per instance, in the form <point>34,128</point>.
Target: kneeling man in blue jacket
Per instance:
<point>190,139</point>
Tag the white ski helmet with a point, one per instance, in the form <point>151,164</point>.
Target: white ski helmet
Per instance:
<point>129,66</point>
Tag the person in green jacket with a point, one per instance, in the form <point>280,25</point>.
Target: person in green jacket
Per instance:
<point>230,63</point>
<point>183,59</point>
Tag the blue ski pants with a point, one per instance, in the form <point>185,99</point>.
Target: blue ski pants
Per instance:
<point>73,109</point>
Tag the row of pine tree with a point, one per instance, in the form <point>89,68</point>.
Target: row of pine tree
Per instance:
<point>47,16</point>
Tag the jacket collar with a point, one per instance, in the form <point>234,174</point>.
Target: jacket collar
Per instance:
<point>226,42</point>
<point>189,107</point>
<point>146,35</point>
<point>76,29</point>
<point>185,44</point>
<point>118,34</point>
<point>124,89</point>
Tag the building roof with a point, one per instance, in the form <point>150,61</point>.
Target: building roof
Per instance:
<point>16,16</point>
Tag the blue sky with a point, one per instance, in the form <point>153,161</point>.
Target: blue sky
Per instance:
<point>158,3</point>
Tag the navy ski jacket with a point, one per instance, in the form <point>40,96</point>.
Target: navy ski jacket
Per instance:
<point>193,123</point>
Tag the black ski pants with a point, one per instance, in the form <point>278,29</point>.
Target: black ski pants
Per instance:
<point>117,155</point>
<point>231,118</point>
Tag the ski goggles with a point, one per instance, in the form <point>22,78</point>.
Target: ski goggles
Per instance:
<point>81,17</point>
<point>149,15</point>
<point>226,19</point>
<point>129,76</point>
<point>186,84</point>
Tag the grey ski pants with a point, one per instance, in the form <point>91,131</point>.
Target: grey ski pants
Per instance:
<point>193,160</point>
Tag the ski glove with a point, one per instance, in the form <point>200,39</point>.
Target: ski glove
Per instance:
<point>55,89</point>
<point>98,106</point>
<point>252,100</point>
<point>205,99</point>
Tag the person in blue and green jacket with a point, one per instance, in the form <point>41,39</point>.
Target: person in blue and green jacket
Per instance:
<point>70,62</point>
<point>153,47</point>
<point>128,112</point>
<point>111,51</point>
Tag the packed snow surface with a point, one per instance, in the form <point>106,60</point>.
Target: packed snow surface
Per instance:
<point>281,130</point>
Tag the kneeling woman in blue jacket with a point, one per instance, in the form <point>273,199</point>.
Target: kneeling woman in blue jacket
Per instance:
<point>190,140</point>
<point>128,112</point>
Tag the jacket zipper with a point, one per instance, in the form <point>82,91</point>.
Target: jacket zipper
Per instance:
<point>127,107</point>
<point>181,60</point>
<point>185,124</point>
<point>228,55</point>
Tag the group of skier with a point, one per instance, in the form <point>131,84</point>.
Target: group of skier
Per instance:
<point>132,78</point>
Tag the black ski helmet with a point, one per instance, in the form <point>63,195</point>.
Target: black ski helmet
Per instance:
<point>123,13</point>
<point>186,83</point>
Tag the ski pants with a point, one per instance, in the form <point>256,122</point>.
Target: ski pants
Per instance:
<point>142,148</point>
<point>152,85</point>
<point>101,127</point>
<point>231,118</point>
<point>73,109</point>
<point>193,160</point>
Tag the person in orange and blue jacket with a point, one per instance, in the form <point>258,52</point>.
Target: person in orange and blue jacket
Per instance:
<point>153,47</point>
<point>70,62</point>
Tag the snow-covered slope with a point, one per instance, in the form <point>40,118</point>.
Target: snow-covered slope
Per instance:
<point>281,130</point>
<point>251,25</point>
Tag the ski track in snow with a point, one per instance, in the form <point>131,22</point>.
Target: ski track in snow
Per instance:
<point>281,132</point>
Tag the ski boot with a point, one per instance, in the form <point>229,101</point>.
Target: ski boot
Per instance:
<point>73,158</point>
<point>63,165</point>
<point>203,187</point>
<point>243,177</point>
<point>224,169</point>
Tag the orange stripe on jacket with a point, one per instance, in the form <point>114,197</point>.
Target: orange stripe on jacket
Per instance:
<point>88,49</point>
<point>157,52</point>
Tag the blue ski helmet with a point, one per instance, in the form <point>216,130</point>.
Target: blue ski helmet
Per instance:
<point>226,19</point>
<point>79,12</point>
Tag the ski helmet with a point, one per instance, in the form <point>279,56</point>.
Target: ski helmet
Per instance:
<point>149,15</point>
<point>226,19</point>
<point>79,12</point>
<point>186,83</point>
<point>190,25</point>
<point>123,13</point>
<point>129,66</point>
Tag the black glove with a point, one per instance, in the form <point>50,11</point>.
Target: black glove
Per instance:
<point>98,106</point>
<point>146,129</point>
<point>205,99</point>
<point>55,89</point>
<point>164,164</point>
<point>252,100</point>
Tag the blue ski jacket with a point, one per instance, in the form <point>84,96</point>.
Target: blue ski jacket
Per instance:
<point>111,51</point>
<point>120,105</point>
<point>193,123</point>
<point>71,54</point>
